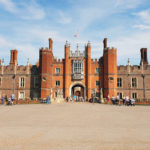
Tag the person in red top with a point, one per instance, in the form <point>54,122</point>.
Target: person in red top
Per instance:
<point>108,99</point>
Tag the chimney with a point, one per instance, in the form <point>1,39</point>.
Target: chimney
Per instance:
<point>51,44</point>
<point>144,59</point>
<point>13,57</point>
<point>105,43</point>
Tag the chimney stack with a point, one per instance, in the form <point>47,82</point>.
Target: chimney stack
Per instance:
<point>51,44</point>
<point>105,43</point>
<point>144,59</point>
<point>13,57</point>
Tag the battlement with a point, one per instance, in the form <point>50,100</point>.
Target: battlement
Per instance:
<point>135,67</point>
<point>122,68</point>
<point>95,61</point>
<point>58,61</point>
<point>11,69</point>
<point>110,50</point>
<point>44,49</point>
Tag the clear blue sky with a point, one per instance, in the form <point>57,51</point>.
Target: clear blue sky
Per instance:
<point>26,26</point>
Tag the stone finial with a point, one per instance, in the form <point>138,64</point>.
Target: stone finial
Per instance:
<point>89,43</point>
<point>28,62</point>
<point>77,47</point>
<point>128,62</point>
<point>67,44</point>
<point>3,62</point>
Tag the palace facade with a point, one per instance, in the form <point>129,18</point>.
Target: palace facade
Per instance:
<point>76,74</point>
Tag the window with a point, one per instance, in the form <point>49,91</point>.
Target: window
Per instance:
<point>97,83</point>
<point>22,82</point>
<point>134,82</point>
<point>119,82</point>
<point>77,66</point>
<point>57,70</point>
<point>21,95</point>
<point>57,83</point>
<point>97,70</point>
<point>36,82</point>
<point>120,95</point>
<point>134,95</point>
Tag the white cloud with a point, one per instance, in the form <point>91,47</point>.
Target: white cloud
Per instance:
<point>8,5</point>
<point>63,18</point>
<point>23,51</point>
<point>129,46</point>
<point>32,11</point>
<point>128,4</point>
<point>142,26</point>
<point>144,15</point>
<point>24,10</point>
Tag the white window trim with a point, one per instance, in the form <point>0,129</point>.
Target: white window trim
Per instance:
<point>136,94</point>
<point>136,82</point>
<point>56,69</point>
<point>19,94</point>
<point>20,82</point>
<point>122,82</point>
<point>82,65</point>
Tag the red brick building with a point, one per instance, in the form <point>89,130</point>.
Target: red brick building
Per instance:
<point>76,74</point>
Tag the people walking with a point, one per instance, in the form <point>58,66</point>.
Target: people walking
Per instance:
<point>123,100</point>
<point>12,98</point>
<point>48,100</point>
<point>127,101</point>
<point>3,100</point>
<point>67,99</point>
<point>117,100</point>
<point>113,100</point>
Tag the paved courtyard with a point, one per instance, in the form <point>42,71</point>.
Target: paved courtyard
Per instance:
<point>75,126</point>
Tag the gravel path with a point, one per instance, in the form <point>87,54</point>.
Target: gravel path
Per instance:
<point>75,126</point>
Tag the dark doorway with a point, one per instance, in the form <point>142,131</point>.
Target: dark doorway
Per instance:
<point>77,90</point>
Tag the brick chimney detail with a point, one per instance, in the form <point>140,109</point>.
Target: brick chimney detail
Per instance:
<point>13,57</point>
<point>144,59</point>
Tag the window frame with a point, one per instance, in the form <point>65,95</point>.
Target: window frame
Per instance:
<point>97,72</point>
<point>77,66</point>
<point>20,94</point>
<point>97,81</point>
<point>56,83</point>
<point>134,93</point>
<point>133,82</point>
<point>119,84</point>
<point>56,70</point>
<point>20,82</point>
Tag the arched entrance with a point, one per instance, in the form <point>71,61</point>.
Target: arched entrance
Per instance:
<point>77,90</point>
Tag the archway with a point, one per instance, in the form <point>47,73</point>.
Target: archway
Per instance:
<point>78,90</point>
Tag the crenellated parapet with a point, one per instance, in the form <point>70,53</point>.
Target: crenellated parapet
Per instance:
<point>58,61</point>
<point>95,61</point>
<point>12,70</point>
